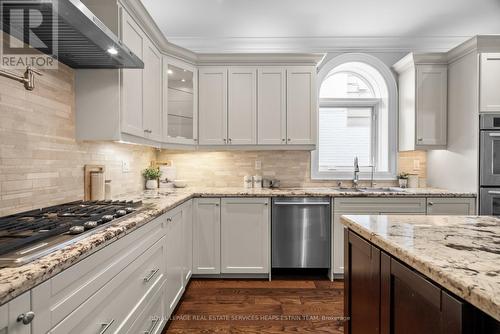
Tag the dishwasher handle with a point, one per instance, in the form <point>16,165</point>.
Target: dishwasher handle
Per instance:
<point>301,203</point>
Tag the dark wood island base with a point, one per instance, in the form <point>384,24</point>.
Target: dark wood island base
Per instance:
<point>384,296</point>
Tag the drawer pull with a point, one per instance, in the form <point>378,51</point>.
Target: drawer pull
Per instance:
<point>26,318</point>
<point>106,326</point>
<point>151,275</point>
<point>154,322</point>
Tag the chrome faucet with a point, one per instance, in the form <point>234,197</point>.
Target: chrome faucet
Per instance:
<point>355,179</point>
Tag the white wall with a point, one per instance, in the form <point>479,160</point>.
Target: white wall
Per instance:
<point>457,167</point>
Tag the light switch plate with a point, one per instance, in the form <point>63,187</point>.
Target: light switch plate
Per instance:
<point>258,164</point>
<point>125,166</point>
<point>416,164</point>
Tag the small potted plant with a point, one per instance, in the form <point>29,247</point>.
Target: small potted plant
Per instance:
<point>403,179</point>
<point>151,174</point>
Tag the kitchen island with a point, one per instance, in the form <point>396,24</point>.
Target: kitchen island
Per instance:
<point>422,274</point>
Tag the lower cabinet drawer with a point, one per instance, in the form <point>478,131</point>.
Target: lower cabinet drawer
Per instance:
<point>117,302</point>
<point>151,318</point>
<point>56,298</point>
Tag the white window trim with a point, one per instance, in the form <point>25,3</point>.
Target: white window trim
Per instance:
<point>392,126</point>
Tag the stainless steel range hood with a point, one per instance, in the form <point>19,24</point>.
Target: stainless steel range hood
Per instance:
<point>83,41</point>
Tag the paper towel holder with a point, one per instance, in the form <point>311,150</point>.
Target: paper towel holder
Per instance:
<point>86,178</point>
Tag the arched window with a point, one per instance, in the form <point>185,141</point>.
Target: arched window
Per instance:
<point>357,118</point>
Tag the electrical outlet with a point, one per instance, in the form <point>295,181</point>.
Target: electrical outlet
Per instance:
<point>125,166</point>
<point>416,164</point>
<point>258,164</point>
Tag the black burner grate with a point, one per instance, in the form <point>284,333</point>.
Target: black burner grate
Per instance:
<point>20,230</point>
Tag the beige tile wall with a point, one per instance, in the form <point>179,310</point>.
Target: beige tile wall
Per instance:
<point>227,168</point>
<point>40,162</point>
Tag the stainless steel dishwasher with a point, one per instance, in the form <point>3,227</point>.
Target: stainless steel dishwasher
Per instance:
<point>301,232</point>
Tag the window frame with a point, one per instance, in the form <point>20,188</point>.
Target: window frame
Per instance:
<point>391,103</point>
<point>372,103</point>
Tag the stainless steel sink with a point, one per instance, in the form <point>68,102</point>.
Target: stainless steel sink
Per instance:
<point>373,190</point>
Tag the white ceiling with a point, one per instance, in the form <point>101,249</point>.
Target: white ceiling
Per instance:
<point>322,25</point>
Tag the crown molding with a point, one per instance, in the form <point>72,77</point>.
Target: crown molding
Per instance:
<point>141,15</point>
<point>260,58</point>
<point>481,43</point>
<point>317,44</point>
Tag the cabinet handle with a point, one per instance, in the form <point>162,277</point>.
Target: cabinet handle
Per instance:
<point>283,140</point>
<point>151,275</point>
<point>229,140</point>
<point>216,204</point>
<point>106,326</point>
<point>289,139</point>
<point>431,203</point>
<point>420,139</point>
<point>494,192</point>
<point>224,140</point>
<point>169,220</point>
<point>154,322</point>
<point>26,318</point>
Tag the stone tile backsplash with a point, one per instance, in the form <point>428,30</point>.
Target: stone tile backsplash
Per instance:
<point>40,162</point>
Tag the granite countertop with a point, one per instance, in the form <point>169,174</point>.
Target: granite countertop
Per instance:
<point>462,254</point>
<point>14,281</point>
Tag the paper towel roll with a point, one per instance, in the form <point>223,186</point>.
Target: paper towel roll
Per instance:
<point>96,186</point>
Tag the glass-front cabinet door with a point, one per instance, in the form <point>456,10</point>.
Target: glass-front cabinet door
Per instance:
<point>180,107</point>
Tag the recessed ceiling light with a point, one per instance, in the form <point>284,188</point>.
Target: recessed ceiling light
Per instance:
<point>183,80</point>
<point>112,51</point>
<point>170,72</point>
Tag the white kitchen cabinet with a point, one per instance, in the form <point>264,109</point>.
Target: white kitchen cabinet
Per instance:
<point>175,258</point>
<point>180,121</point>
<point>451,206</point>
<point>242,106</point>
<point>212,110</point>
<point>152,92</point>
<point>301,105</point>
<point>366,206</point>
<point>132,79</point>
<point>122,104</point>
<point>206,236</point>
<point>489,82</point>
<point>116,305</point>
<point>271,106</point>
<point>17,308</point>
<point>423,94</point>
<point>55,299</point>
<point>152,317</point>
<point>245,235</point>
<point>187,216</point>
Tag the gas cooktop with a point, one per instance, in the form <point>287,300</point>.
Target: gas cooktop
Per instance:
<point>29,235</point>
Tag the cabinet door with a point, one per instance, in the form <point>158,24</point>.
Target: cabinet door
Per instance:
<point>271,106</point>
<point>11,311</point>
<point>206,236</point>
<point>451,206</point>
<point>245,225</point>
<point>431,104</point>
<point>187,216</point>
<point>242,106</point>
<point>301,105</point>
<point>132,79</point>
<point>152,92</point>
<point>361,285</point>
<point>212,111</point>
<point>489,91</point>
<point>175,259</point>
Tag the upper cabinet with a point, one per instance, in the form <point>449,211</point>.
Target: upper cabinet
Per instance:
<point>271,106</point>
<point>489,83</point>
<point>124,104</point>
<point>180,107</point>
<point>301,105</point>
<point>423,81</point>
<point>242,106</point>
<point>263,106</point>
<point>212,110</point>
